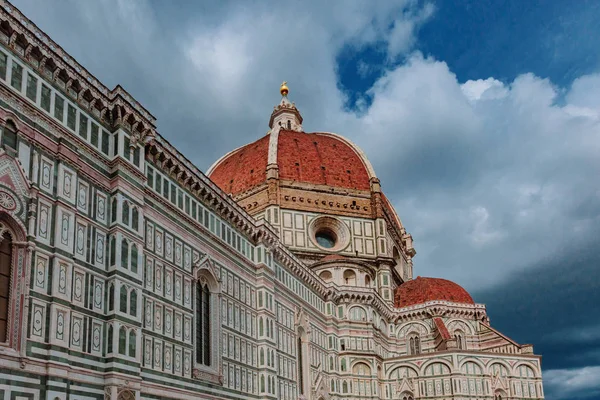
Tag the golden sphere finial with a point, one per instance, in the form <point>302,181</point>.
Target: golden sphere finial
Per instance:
<point>284,90</point>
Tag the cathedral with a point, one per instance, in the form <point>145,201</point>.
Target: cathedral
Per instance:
<point>282,272</point>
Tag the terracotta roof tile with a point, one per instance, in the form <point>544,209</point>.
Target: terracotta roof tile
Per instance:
<point>422,290</point>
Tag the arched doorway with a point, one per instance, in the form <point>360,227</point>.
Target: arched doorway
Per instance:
<point>14,257</point>
<point>5,278</point>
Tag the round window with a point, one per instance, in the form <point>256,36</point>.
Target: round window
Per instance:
<point>329,233</point>
<point>326,238</point>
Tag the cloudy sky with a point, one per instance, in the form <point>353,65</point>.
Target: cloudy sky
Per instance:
<point>481,119</point>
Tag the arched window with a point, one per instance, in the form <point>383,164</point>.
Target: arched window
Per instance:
<point>300,365</point>
<point>5,272</point>
<point>331,364</point>
<point>123,299</point>
<point>357,314</point>
<point>326,276</point>
<point>460,340</point>
<point>132,343</point>
<point>113,210</point>
<point>262,356</point>
<point>367,281</point>
<point>414,345</point>
<point>123,341</point>
<point>349,277</point>
<point>111,297</point>
<point>109,340</point>
<point>133,302</point>
<point>113,250</point>
<point>272,359</point>
<point>124,253</point>
<point>343,364</point>
<point>9,136</point>
<point>134,258</point>
<point>262,383</point>
<point>125,215</point>
<point>345,387</point>
<point>406,396</point>
<point>203,326</point>
<point>260,327</point>
<point>134,218</point>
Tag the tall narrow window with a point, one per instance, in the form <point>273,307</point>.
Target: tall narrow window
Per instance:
<point>125,216</point>
<point>123,299</point>
<point>134,218</point>
<point>5,268</point>
<point>122,340</point>
<point>31,89</point>
<point>203,344</point>
<point>45,100</point>
<point>134,259</point>
<point>300,366</point>
<point>105,142</point>
<point>71,117</point>
<point>414,345</point>
<point>9,136</point>
<point>3,61</point>
<point>133,302</point>
<point>124,254</point>
<point>113,250</point>
<point>16,79</point>
<point>94,134</point>
<point>59,108</point>
<point>109,340</point>
<point>113,210</point>
<point>111,297</point>
<point>132,343</point>
<point>83,126</point>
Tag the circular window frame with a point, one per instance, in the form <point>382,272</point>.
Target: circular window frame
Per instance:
<point>332,227</point>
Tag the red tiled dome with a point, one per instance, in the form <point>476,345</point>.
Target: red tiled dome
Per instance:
<point>317,158</point>
<point>422,290</point>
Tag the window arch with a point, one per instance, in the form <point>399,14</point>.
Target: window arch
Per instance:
<point>350,277</point>
<point>133,302</point>
<point>113,210</point>
<point>5,274</point>
<point>134,258</point>
<point>326,276</point>
<point>111,297</point>
<point>414,344</point>
<point>124,253</point>
<point>203,324</point>
<point>406,396</point>
<point>109,339</point>
<point>123,299</point>
<point>361,369</point>
<point>122,340</point>
<point>113,250</point>
<point>9,136</point>
<point>461,342</point>
<point>132,343</point>
<point>344,387</point>
<point>367,281</point>
<point>357,314</point>
<point>125,214</point>
<point>134,218</point>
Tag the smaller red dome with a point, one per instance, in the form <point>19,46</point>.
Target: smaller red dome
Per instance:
<point>422,290</point>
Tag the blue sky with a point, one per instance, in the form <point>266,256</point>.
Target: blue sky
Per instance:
<point>481,118</point>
